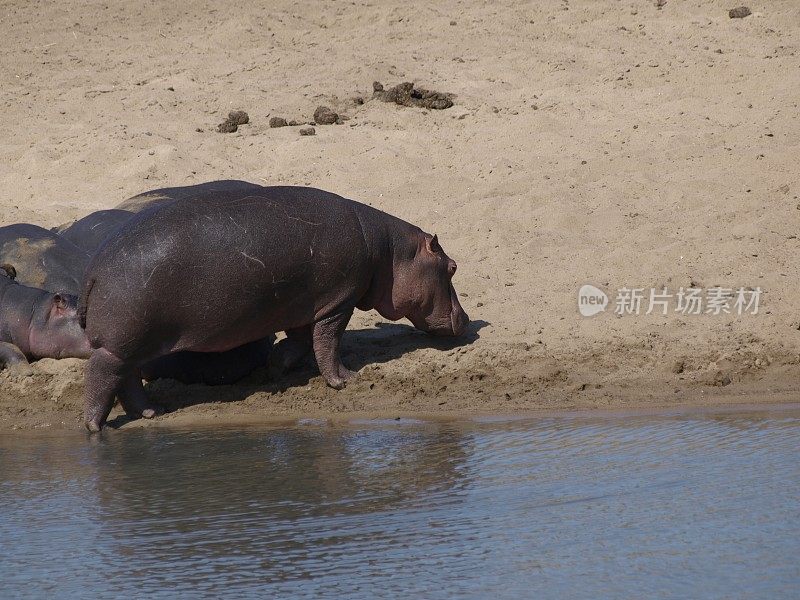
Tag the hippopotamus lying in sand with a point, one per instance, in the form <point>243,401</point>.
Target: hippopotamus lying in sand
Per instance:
<point>210,274</point>
<point>37,324</point>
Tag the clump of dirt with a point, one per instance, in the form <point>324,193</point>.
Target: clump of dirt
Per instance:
<point>405,94</point>
<point>308,131</point>
<point>231,124</point>
<point>277,122</point>
<point>740,12</point>
<point>325,116</point>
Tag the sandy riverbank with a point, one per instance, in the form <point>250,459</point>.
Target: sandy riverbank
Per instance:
<point>599,142</point>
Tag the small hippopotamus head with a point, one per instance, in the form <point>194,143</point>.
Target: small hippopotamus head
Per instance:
<point>55,331</point>
<point>423,292</point>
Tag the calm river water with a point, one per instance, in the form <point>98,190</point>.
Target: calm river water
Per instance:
<point>698,504</point>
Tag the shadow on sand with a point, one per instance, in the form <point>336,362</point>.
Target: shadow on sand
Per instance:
<point>360,347</point>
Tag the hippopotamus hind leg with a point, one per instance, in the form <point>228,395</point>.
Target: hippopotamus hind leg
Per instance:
<point>327,337</point>
<point>105,375</point>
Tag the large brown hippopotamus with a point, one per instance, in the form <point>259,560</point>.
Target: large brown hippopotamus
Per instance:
<point>210,274</point>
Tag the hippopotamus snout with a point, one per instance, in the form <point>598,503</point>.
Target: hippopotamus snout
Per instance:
<point>458,317</point>
<point>457,322</point>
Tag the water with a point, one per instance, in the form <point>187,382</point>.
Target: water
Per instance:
<point>694,505</point>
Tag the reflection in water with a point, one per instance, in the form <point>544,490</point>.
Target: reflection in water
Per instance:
<point>670,506</point>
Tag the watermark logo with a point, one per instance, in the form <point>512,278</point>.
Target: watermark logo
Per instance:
<point>685,301</point>
<point>591,300</point>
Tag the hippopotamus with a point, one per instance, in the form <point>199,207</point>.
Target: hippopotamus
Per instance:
<point>210,274</point>
<point>35,323</point>
<point>42,258</point>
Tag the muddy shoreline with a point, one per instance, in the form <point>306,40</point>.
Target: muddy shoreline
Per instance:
<point>426,383</point>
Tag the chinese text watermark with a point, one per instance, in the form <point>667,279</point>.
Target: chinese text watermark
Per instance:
<point>662,301</point>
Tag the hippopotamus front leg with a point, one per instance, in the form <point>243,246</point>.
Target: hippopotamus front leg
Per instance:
<point>11,355</point>
<point>327,336</point>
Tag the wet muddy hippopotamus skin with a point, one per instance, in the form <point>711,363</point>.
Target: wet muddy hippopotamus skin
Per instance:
<point>42,258</point>
<point>214,273</point>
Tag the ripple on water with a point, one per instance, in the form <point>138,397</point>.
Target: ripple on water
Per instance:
<point>677,505</point>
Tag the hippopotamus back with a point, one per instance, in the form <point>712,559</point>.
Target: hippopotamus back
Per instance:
<point>89,232</point>
<point>211,189</point>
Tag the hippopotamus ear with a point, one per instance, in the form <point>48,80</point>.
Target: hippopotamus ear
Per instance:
<point>432,244</point>
<point>58,306</point>
<point>10,271</point>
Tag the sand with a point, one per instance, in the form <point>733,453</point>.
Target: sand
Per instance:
<point>591,142</point>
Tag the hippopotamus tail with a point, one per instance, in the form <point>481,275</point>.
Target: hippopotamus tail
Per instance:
<point>83,303</point>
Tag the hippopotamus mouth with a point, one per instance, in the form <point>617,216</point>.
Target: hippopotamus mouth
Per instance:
<point>458,319</point>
